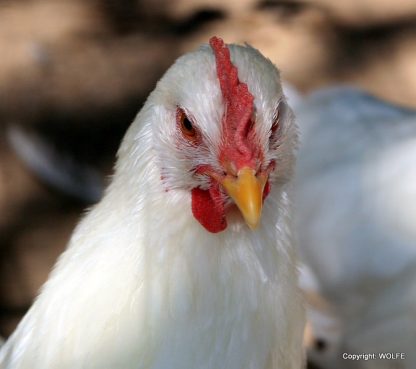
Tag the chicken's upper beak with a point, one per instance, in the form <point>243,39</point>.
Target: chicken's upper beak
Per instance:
<point>247,192</point>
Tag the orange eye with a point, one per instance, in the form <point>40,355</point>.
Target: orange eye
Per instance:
<point>185,125</point>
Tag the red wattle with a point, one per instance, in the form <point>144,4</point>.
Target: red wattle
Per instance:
<point>208,209</point>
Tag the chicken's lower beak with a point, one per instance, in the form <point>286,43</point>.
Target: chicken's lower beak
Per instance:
<point>247,192</point>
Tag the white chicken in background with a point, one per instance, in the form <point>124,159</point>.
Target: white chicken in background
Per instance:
<point>356,212</point>
<point>174,267</point>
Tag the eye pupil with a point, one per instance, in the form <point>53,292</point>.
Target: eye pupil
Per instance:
<point>187,125</point>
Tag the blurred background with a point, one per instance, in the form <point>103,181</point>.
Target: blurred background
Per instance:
<point>74,73</point>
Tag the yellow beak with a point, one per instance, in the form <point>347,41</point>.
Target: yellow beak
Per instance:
<point>247,192</point>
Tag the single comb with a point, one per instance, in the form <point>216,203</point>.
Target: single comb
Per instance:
<point>238,143</point>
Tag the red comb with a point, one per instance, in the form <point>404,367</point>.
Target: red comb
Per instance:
<point>238,144</point>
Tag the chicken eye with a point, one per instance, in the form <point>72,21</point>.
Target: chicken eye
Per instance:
<point>276,124</point>
<point>185,125</point>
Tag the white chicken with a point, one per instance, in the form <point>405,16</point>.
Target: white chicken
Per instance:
<point>356,201</point>
<point>173,268</point>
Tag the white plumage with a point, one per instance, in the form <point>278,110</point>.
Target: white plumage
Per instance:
<point>356,201</point>
<point>142,284</point>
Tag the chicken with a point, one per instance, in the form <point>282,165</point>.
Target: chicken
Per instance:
<point>356,196</point>
<point>188,260</point>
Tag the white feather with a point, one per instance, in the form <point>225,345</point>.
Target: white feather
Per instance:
<point>356,196</point>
